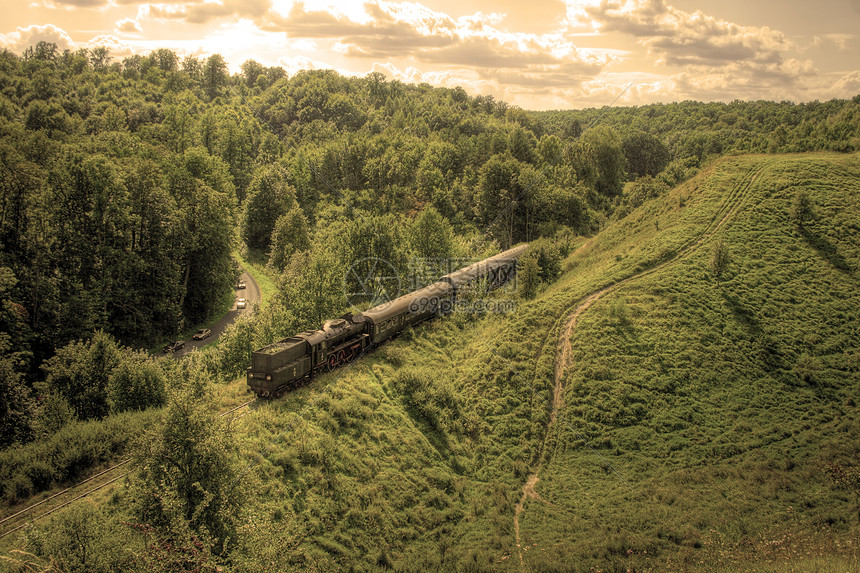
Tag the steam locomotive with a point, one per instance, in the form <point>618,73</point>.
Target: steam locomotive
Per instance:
<point>286,364</point>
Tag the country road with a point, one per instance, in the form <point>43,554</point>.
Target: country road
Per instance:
<point>251,293</point>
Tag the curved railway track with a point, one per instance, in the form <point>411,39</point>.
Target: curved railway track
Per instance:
<point>566,324</point>
<point>41,509</point>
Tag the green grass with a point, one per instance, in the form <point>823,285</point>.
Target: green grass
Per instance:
<point>688,412</point>
<point>698,409</point>
<point>697,415</point>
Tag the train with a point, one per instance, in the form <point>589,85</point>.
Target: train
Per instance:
<point>289,363</point>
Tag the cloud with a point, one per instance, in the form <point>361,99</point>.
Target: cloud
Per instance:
<point>22,38</point>
<point>128,25</point>
<point>682,38</point>
<point>792,79</point>
<point>401,26</point>
<point>846,86</point>
<point>89,4</point>
<point>384,30</point>
<point>201,12</point>
<point>841,41</point>
<point>116,47</point>
<point>398,31</point>
<point>466,78</point>
<point>294,64</point>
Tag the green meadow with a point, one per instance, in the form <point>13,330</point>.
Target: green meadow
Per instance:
<point>700,414</point>
<point>701,405</point>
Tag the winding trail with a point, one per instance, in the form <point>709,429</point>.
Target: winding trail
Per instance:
<point>564,349</point>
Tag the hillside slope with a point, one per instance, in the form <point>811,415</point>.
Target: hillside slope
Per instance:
<point>693,422</point>
<point>700,412</point>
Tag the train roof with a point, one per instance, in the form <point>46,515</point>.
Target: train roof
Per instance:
<point>474,271</point>
<point>400,305</point>
<point>512,253</point>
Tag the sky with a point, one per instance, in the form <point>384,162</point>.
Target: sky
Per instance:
<point>536,54</point>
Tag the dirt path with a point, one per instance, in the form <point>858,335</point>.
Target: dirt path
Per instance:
<point>564,349</point>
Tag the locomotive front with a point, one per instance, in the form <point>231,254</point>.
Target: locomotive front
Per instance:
<point>283,365</point>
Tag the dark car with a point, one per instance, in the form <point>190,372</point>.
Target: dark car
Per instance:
<point>174,346</point>
<point>201,334</point>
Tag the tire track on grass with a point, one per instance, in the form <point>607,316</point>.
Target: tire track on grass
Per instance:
<point>564,349</point>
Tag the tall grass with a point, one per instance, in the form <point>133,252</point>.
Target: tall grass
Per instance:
<point>697,418</point>
<point>713,408</point>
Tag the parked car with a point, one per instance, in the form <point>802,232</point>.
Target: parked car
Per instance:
<point>201,334</point>
<point>241,303</point>
<point>240,284</point>
<point>174,346</point>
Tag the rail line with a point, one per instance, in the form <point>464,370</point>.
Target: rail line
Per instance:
<point>66,497</point>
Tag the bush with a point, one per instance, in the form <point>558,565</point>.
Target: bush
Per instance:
<point>137,383</point>
<point>67,454</point>
<point>79,538</point>
<point>186,484</point>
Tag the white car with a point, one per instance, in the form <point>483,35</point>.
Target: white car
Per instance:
<point>241,303</point>
<point>201,334</point>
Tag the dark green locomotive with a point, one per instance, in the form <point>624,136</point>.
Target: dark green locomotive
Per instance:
<point>285,364</point>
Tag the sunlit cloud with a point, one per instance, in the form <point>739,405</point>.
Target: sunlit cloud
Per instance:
<point>73,4</point>
<point>846,86</point>
<point>682,38</point>
<point>116,47</point>
<point>413,31</point>
<point>202,12</point>
<point>841,41</point>
<point>128,26</point>
<point>587,52</point>
<point>22,38</point>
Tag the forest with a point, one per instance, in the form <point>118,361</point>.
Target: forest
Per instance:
<point>128,188</point>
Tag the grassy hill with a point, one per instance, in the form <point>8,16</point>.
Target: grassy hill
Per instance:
<point>697,406</point>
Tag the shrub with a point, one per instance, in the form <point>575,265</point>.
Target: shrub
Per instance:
<point>137,383</point>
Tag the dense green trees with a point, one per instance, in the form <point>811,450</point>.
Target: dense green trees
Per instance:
<point>16,407</point>
<point>608,159</point>
<point>696,129</point>
<point>431,236</point>
<point>645,154</point>
<point>290,235</point>
<point>123,185</point>
<point>136,383</point>
<point>97,376</point>
<point>80,371</point>
<point>111,218</point>
<point>270,197</point>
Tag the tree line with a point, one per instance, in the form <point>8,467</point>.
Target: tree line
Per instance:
<point>126,185</point>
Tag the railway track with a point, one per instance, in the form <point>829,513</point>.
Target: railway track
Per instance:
<point>57,501</point>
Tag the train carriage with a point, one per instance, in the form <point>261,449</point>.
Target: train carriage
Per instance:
<point>391,317</point>
<point>496,271</point>
<point>287,363</point>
